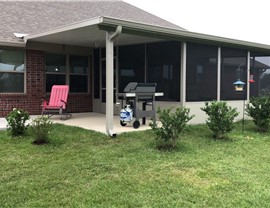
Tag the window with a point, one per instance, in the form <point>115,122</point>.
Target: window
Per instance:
<point>96,73</point>
<point>75,75</point>
<point>201,72</point>
<point>131,65</point>
<point>260,70</point>
<point>233,68</point>
<point>79,74</point>
<point>55,70</point>
<point>12,71</point>
<point>163,61</point>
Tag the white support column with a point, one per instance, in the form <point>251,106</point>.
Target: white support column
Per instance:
<point>109,84</point>
<point>248,74</point>
<point>218,73</point>
<point>183,73</point>
<point>110,37</point>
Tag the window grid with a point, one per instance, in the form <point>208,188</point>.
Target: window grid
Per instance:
<point>78,82</point>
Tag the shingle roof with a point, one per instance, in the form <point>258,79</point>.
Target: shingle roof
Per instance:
<point>36,16</point>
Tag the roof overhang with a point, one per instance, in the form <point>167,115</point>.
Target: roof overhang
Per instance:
<point>91,33</point>
<point>13,44</point>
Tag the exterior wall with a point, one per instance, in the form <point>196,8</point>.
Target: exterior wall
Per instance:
<point>34,83</point>
<point>195,109</point>
<point>77,102</point>
<point>200,116</point>
<point>207,82</point>
<point>165,104</point>
<point>35,90</point>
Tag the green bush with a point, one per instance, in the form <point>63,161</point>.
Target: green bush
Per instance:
<point>220,118</point>
<point>16,120</point>
<point>258,109</point>
<point>172,125</point>
<point>41,127</point>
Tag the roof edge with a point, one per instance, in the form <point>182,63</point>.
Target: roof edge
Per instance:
<point>12,44</point>
<point>93,21</point>
<point>185,34</point>
<point>112,20</point>
<point>153,30</point>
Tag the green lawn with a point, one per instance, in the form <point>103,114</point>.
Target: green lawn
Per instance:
<point>81,168</point>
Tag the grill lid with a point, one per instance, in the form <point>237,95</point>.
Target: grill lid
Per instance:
<point>135,87</point>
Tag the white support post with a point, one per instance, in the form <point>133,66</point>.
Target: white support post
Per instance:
<point>219,73</point>
<point>109,84</point>
<point>183,73</point>
<point>248,74</point>
<point>110,37</point>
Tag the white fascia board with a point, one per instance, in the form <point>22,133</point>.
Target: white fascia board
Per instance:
<point>174,33</point>
<point>73,26</point>
<point>12,44</point>
<point>156,30</point>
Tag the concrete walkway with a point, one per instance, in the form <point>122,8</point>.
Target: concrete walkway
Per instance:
<point>90,121</point>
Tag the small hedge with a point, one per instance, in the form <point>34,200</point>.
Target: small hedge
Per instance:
<point>41,127</point>
<point>258,109</point>
<point>16,120</point>
<point>172,125</point>
<point>220,118</point>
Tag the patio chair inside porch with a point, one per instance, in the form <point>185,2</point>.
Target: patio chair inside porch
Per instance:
<point>57,104</point>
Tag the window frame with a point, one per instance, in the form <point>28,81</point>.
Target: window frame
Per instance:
<point>54,73</point>
<point>68,73</point>
<point>16,72</point>
<point>230,94</point>
<point>256,89</point>
<point>199,69</point>
<point>169,62</point>
<point>86,74</point>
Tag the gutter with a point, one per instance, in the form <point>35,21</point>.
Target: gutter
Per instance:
<point>137,28</point>
<point>175,34</point>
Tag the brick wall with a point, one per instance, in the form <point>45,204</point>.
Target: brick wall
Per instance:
<point>35,90</point>
<point>35,80</point>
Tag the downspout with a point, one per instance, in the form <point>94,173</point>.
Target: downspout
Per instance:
<point>183,74</point>
<point>110,38</point>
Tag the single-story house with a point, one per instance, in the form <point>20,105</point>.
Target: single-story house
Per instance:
<point>98,46</point>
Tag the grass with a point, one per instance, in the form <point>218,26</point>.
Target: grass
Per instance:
<point>81,168</point>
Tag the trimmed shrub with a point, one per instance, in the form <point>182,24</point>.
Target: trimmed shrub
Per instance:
<point>17,121</point>
<point>220,118</point>
<point>258,109</point>
<point>172,125</point>
<point>41,127</point>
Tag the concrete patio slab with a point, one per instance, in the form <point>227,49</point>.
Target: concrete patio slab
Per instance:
<point>90,121</point>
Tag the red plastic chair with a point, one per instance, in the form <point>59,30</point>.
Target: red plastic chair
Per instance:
<point>57,103</point>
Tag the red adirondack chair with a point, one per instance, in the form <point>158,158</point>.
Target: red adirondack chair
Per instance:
<point>57,103</point>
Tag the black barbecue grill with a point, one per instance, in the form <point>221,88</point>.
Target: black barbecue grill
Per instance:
<point>138,96</point>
